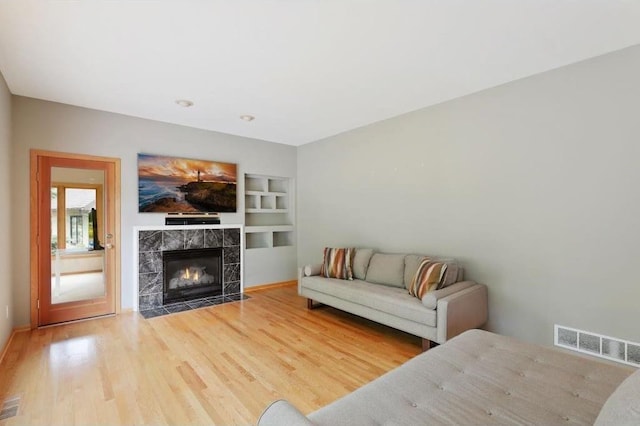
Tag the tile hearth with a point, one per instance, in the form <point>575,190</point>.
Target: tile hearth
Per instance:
<point>192,304</point>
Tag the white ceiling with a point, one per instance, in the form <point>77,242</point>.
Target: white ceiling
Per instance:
<point>307,69</point>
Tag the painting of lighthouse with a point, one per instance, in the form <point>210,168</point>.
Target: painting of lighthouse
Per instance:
<point>181,185</point>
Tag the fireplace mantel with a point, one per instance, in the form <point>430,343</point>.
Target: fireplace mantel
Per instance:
<point>150,241</point>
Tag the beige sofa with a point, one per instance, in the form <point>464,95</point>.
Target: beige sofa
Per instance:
<point>379,293</point>
<point>481,378</point>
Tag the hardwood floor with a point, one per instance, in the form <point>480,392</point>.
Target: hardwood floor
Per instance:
<point>217,365</point>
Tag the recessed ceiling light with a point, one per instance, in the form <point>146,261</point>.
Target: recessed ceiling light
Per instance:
<point>184,103</point>
<point>247,117</point>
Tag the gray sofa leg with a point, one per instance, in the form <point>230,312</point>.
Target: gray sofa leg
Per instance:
<point>310,304</point>
<point>428,344</point>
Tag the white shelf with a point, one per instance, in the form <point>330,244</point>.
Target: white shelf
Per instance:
<point>277,194</point>
<point>268,219</point>
<point>265,201</point>
<point>259,240</point>
<point>275,228</point>
<point>282,238</point>
<point>266,210</point>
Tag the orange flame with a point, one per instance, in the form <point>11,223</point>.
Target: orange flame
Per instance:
<point>186,275</point>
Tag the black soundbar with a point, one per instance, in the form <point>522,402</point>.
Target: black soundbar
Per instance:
<point>187,220</point>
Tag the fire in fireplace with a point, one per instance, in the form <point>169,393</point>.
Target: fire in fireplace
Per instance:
<point>191,274</point>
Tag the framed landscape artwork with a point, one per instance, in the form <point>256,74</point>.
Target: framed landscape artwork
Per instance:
<point>182,185</point>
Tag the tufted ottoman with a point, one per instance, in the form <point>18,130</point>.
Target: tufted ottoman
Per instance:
<point>475,378</point>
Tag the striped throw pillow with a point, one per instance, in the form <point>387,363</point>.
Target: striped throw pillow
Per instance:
<point>338,263</point>
<point>428,277</point>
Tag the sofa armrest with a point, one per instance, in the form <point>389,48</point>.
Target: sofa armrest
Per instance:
<point>430,300</point>
<point>300,277</point>
<point>281,412</point>
<point>310,270</point>
<point>461,311</point>
<point>307,271</point>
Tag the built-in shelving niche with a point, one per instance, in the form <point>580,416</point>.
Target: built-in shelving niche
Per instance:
<point>268,217</point>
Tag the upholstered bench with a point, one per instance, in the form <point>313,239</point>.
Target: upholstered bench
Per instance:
<point>481,378</point>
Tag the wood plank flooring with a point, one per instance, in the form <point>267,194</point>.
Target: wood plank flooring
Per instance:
<point>216,365</point>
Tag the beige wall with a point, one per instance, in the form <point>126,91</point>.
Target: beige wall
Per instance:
<point>532,185</point>
<point>6,324</point>
<point>57,127</point>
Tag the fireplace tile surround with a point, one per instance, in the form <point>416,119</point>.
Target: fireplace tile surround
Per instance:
<point>152,241</point>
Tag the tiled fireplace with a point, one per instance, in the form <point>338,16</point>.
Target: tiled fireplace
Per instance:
<point>153,242</point>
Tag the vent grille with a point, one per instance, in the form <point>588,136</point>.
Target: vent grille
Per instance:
<point>597,345</point>
<point>9,407</point>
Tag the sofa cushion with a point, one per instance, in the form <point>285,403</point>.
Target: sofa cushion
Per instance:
<point>411,263</point>
<point>623,406</point>
<point>338,263</point>
<point>392,300</point>
<point>428,277</point>
<point>386,269</point>
<point>361,263</point>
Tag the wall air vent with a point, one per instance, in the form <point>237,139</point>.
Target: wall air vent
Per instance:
<point>9,407</point>
<point>598,345</point>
